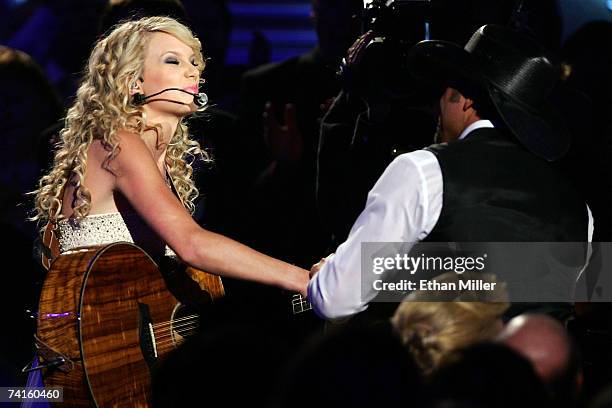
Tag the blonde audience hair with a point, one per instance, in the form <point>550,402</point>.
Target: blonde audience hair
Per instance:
<point>435,325</point>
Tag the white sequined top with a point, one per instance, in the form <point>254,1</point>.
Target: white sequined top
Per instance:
<point>97,229</point>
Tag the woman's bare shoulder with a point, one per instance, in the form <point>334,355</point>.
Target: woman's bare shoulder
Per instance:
<point>123,139</point>
<point>124,134</point>
<point>130,149</point>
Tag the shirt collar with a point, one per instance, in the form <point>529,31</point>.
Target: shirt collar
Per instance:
<point>482,123</point>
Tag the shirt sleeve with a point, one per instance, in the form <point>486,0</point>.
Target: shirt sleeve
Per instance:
<point>403,206</point>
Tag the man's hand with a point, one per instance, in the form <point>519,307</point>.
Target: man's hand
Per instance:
<point>316,267</point>
<point>284,141</point>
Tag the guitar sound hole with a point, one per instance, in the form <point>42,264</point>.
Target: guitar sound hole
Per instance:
<point>184,323</point>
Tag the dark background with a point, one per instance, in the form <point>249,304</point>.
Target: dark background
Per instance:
<point>58,35</point>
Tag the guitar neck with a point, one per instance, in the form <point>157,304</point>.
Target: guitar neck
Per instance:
<point>299,304</point>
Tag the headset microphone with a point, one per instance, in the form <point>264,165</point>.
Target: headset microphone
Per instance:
<point>199,99</point>
<point>138,99</point>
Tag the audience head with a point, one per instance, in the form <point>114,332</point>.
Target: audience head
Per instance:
<point>488,375</point>
<point>352,367</point>
<point>22,79</point>
<point>434,330</point>
<point>28,105</point>
<point>548,346</point>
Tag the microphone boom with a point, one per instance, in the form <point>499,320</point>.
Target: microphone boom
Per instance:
<point>199,99</point>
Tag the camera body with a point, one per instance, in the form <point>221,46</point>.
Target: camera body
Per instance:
<point>375,65</point>
<point>398,20</point>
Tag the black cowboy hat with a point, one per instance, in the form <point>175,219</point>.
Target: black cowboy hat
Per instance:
<point>513,71</point>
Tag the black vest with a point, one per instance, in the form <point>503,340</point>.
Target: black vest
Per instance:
<point>495,190</point>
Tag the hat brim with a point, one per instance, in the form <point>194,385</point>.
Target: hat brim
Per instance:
<point>441,63</point>
<point>542,132</point>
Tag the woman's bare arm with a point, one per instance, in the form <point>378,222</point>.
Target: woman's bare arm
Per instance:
<point>139,180</point>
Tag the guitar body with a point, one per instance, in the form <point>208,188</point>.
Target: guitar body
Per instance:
<point>108,313</point>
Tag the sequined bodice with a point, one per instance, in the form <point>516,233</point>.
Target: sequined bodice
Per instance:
<point>97,229</point>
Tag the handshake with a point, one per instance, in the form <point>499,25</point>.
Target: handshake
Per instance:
<point>317,267</point>
<point>298,302</point>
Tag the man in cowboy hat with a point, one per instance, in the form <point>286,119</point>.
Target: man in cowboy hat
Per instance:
<point>489,181</point>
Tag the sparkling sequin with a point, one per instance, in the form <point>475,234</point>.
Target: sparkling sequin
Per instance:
<point>97,229</point>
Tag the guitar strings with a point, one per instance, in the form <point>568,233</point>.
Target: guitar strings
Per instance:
<point>182,333</point>
<point>175,320</point>
<point>177,326</point>
<point>172,341</point>
<point>169,322</point>
<point>178,330</point>
<point>174,325</point>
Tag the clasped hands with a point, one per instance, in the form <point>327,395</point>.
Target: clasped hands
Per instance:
<point>317,267</point>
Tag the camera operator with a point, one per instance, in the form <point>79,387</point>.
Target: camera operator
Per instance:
<point>379,111</point>
<point>382,112</point>
<point>490,180</point>
<point>357,141</point>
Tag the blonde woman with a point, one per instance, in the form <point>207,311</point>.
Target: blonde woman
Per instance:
<point>120,157</point>
<point>434,325</point>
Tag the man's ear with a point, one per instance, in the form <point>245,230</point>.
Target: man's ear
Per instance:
<point>468,104</point>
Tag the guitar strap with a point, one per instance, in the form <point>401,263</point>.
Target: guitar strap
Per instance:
<point>50,245</point>
<point>170,182</point>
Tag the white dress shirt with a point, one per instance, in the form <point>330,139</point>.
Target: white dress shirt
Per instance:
<point>403,206</point>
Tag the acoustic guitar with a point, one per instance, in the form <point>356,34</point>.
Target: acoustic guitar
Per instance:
<point>108,315</point>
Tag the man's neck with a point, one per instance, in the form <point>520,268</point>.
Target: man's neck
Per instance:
<point>477,124</point>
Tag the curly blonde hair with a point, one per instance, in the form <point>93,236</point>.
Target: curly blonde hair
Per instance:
<point>103,106</point>
<point>434,326</point>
